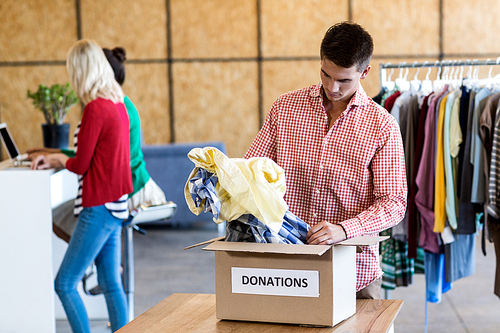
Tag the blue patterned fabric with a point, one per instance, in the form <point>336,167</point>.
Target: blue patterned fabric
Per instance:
<point>202,190</point>
<point>247,228</point>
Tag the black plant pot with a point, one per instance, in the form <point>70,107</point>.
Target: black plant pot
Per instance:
<point>55,136</point>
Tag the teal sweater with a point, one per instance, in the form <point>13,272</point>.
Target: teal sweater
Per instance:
<point>140,175</point>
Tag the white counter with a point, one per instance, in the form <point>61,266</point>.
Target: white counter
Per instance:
<point>30,254</point>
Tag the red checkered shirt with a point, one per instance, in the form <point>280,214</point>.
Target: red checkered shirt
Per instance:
<point>352,174</point>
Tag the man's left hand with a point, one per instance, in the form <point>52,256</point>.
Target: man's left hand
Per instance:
<point>325,233</point>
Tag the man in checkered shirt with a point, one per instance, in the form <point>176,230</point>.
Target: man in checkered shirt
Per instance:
<point>342,153</point>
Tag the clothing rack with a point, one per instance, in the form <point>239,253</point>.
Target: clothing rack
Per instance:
<point>437,64</point>
<point>443,72</point>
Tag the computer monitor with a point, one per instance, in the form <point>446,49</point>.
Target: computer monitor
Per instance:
<point>8,142</point>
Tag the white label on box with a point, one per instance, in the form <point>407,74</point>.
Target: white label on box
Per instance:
<point>277,282</point>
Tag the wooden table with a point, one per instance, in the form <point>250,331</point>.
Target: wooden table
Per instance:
<point>196,313</point>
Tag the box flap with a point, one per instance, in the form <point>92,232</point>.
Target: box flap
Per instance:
<point>205,242</point>
<point>219,245</point>
<point>363,240</point>
<point>267,248</point>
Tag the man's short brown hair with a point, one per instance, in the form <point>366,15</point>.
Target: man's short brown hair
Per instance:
<point>347,44</point>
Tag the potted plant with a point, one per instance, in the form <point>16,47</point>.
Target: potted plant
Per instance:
<point>54,102</point>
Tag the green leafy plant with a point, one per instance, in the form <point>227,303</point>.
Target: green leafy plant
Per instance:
<point>54,101</point>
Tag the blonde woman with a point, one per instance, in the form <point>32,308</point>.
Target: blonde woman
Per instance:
<point>102,162</point>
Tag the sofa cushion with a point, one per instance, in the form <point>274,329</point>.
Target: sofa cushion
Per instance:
<point>170,168</point>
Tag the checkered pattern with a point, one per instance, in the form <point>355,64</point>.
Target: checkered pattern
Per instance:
<point>352,174</point>
<point>246,228</point>
<point>202,190</point>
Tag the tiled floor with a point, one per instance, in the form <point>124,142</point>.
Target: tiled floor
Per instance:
<point>162,267</point>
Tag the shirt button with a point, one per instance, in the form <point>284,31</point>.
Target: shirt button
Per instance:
<point>321,166</point>
<point>314,215</point>
<point>317,191</point>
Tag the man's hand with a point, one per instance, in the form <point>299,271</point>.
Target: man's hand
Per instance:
<point>325,233</point>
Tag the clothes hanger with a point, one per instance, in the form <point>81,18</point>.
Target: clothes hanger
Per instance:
<point>401,82</point>
<point>388,84</point>
<point>446,79</point>
<point>426,86</point>
<point>437,84</point>
<point>491,83</point>
<point>416,83</point>
<point>455,81</point>
<point>475,75</point>
<point>467,81</point>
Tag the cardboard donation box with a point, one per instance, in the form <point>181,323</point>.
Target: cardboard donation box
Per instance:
<point>283,283</point>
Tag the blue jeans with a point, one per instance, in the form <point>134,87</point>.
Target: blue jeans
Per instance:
<point>97,238</point>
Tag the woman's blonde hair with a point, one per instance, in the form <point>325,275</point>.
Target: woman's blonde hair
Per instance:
<point>91,74</point>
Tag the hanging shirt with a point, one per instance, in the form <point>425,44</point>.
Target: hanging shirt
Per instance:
<point>478,192</point>
<point>466,222</point>
<point>493,207</point>
<point>435,277</point>
<point>439,187</point>
<point>409,113</point>
<point>352,174</point>
<point>390,100</point>
<point>486,130</point>
<point>401,115</point>
<point>455,139</point>
<point>453,101</point>
<point>486,121</point>
<point>413,216</point>
<point>460,257</point>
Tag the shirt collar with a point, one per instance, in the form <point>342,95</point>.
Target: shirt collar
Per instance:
<point>359,98</point>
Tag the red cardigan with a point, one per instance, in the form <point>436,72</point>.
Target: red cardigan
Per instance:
<point>103,153</point>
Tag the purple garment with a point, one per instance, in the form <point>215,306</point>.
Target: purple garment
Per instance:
<point>424,199</point>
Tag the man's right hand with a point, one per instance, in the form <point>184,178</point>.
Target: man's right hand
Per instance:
<point>325,233</point>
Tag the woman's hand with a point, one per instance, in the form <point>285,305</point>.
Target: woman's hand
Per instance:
<point>325,233</point>
<point>33,153</point>
<point>50,161</point>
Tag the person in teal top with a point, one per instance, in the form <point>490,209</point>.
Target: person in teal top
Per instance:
<point>140,175</point>
<point>145,191</point>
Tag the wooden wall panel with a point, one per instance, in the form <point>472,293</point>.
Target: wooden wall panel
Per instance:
<point>471,28</point>
<point>217,102</point>
<point>295,28</point>
<point>400,27</point>
<point>214,29</point>
<point>138,26</point>
<point>36,29</point>
<point>147,87</point>
<point>280,77</point>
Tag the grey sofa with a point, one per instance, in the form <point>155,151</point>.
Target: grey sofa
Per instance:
<point>170,167</point>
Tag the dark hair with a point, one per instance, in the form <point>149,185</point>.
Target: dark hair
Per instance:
<point>347,44</point>
<point>116,57</point>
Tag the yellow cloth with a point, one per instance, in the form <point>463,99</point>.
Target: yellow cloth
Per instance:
<point>253,186</point>
<point>455,141</point>
<point>439,182</point>
<point>455,130</point>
